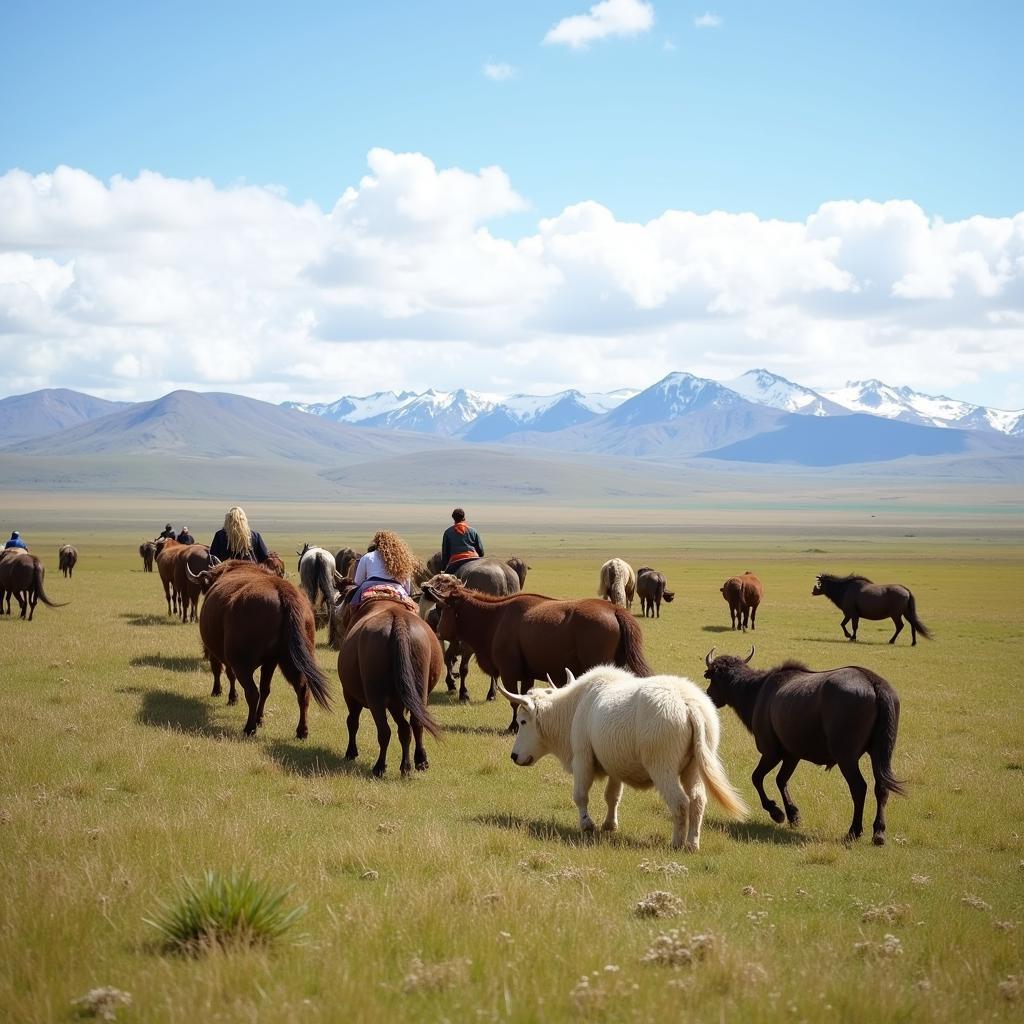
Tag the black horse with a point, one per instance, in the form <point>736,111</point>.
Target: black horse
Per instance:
<point>858,598</point>
<point>827,718</point>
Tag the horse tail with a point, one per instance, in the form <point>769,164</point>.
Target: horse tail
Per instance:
<point>630,652</point>
<point>299,651</point>
<point>37,584</point>
<point>408,681</point>
<point>914,620</point>
<point>710,768</point>
<point>883,738</point>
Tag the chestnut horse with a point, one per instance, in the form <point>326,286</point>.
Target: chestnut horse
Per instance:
<point>389,661</point>
<point>743,594</point>
<point>167,549</point>
<point>252,618</point>
<point>527,637</point>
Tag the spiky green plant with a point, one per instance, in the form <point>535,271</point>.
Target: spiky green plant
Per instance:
<point>224,910</point>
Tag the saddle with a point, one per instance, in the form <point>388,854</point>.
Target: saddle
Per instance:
<point>383,592</point>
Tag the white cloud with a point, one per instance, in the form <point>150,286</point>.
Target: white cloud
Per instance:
<point>708,20</point>
<point>500,72</point>
<point>130,287</point>
<point>604,19</point>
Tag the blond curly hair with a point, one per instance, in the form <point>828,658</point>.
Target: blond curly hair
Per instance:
<point>399,561</point>
<point>236,526</point>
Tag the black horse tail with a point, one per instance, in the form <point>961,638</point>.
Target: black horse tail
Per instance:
<point>408,681</point>
<point>37,585</point>
<point>883,738</point>
<point>630,652</point>
<point>299,651</point>
<point>914,620</point>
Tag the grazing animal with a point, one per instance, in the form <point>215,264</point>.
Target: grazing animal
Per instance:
<point>661,731</point>
<point>21,574</point>
<point>828,718</point>
<point>67,558</point>
<point>316,577</point>
<point>650,588</point>
<point>526,636</point>
<point>253,619</point>
<point>345,561</point>
<point>858,598</point>
<point>275,563</point>
<point>167,549</point>
<point>743,594</point>
<point>618,583</point>
<point>148,553</point>
<point>189,561</point>
<point>486,576</point>
<point>389,661</point>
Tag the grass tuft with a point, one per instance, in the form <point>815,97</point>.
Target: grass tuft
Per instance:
<point>232,910</point>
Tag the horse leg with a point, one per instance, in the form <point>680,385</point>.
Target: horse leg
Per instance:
<point>782,781</point>
<point>842,625</point>
<point>380,718</point>
<point>33,600</point>
<point>858,790</point>
<point>493,691</point>
<point>463,673</point>
<point>397,710</point>
<point>753,617</point>
<point>856,623</point>
<point>764,766</point>
<point>450,654</point>
<point>881,798</point>
<point>612,796</point>
<point>511,683</point>
<point>419,756</point>
<point>355,709</point>
<point>697,795</point>
<point>215,667</point>
<point>232,692</point>
<point>266,674</point>
<point>897,621</point>
<point>302,696</point>
<point>252,698</point>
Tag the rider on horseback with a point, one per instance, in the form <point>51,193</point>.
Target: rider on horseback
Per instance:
<point>460,544</point>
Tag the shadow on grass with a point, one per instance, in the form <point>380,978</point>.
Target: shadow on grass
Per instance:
<point>719,629</point>
<point>298,758</point>
<point>170,663</point>
<point>138,619</point>
<point>550,830</point>
<point>839,640</point>
<point>476,730</point>
<point>165,709</point>
<point>759,832</point>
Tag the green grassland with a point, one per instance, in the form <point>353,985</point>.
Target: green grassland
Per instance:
<point>466,893</point>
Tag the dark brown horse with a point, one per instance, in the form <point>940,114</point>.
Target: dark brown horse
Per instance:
<point>389,661</point>
<point>189,561</point>
<point>858,598</point>
<point>345,562</point>
<point>67,559</point>
<point>828,718</point>
<point>527,637</point>
<point>650,588</point>
<point>743,594</point>
<point>167,549</point>
<point>148,553</point>
<point>275,563</point>
<point>21,575</point>
<point>253,619</point>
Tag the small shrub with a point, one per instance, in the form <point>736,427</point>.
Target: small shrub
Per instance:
<point>224,910</point>
<point>659,904</point>
<point>102,1002</point>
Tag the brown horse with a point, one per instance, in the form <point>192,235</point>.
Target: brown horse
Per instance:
<point>67,559</point>
<point>527,637</point>
<point>389,661</point>
<point>275,563</point>
<point>189,561</point>
<point>827,718</point>
<point>743,594</point>
<point>21,574</point>
<point>148,553</point>
<point>252,618</point>
<point>858,598</point>
<point>167,549</point>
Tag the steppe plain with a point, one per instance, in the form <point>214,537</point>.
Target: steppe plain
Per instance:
<point>466,892</point>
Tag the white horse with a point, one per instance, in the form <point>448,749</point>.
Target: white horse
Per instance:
<point>618,583</point>
<point>316,577</point>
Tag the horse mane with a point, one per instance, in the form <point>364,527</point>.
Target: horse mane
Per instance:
<point>480,598</point>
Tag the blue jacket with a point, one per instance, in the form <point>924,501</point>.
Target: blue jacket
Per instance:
<point>219,547</point>
<point>16,542</point>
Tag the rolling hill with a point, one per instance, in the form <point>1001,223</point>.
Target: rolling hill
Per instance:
<point>40,413</point>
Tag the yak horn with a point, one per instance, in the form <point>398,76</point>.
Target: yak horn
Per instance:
<point>191,575</point>
<point>513,698</point>
<point>551,681</point>
<point>707,657</point>
<point>569,677</point>
<point>746,660</point>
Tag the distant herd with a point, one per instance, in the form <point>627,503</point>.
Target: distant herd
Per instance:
<point>604,714</point>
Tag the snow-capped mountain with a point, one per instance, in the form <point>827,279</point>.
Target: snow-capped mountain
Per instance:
<point>767,388</point>
<point>903,403</point>
<point>355,409</point>
<point>671,397</point>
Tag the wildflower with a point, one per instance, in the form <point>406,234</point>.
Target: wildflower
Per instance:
<point>659,904</point>
<point>749,890</point>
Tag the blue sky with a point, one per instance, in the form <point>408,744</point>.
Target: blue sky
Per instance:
<point>867,157</point>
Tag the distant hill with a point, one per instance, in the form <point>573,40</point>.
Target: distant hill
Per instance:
<point>221,426</point>
<point>857,438</point>
<point>45,412</point>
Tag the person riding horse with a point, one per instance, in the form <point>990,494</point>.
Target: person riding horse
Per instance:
<point>460,545</point>
<point>236,539</point>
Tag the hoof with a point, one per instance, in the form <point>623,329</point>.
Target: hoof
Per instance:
<point>463,698</point>
<point>249,732</point>
<point>878,839</point>
<point>301,734</point>
<point>777,816</point>
<point>851,837</point>
<point>490,696</point>
<point>422,766</point>
<point>378,771</point>
<point>231,700</point>
<point>589,827</point>
<point>610,827</point>
<point>451,687</point>
<point>794,822</point>
<point>351,755</point>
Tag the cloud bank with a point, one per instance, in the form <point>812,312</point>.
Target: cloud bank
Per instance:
<point>603,20</point>
<point>133,286</point>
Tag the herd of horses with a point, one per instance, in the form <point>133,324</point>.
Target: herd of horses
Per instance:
<point>392,650</point>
